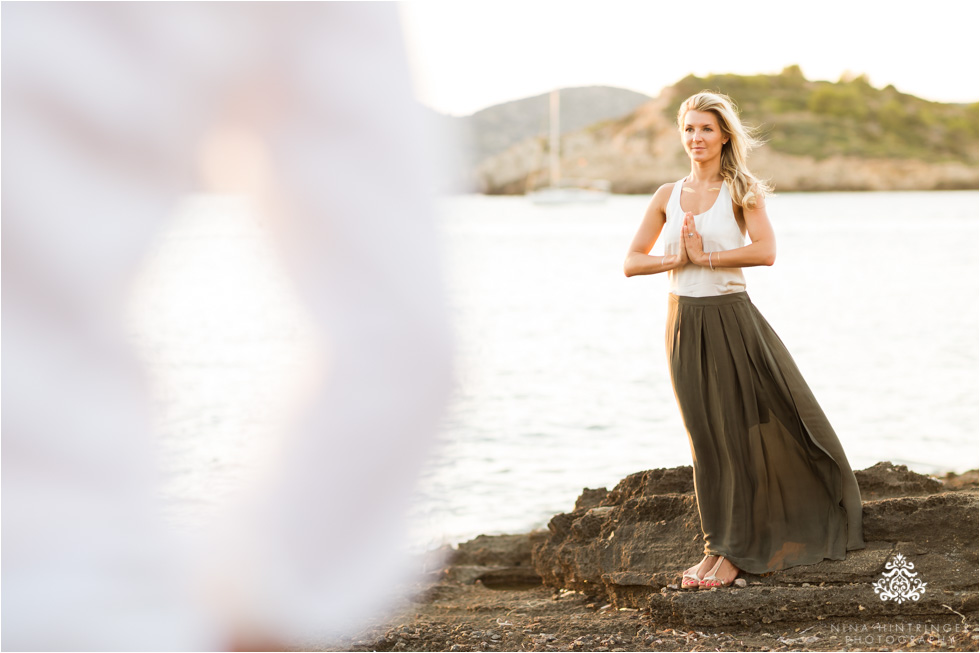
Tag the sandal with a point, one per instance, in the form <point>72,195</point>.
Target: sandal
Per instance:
<point>692,581</point>
<point>711,580</point>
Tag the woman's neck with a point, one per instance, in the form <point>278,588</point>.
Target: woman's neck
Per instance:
<point>706,172</point>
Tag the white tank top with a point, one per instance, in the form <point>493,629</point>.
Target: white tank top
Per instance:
<point>719,231</point>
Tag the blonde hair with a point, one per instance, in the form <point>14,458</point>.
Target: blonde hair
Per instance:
<point>745,187</point>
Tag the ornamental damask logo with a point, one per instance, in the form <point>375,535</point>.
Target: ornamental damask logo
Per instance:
<point>899,582</point>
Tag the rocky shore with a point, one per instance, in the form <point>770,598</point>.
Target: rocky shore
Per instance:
<point>605,577</point>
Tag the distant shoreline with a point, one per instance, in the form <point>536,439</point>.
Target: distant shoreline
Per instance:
<point>817,136</point>
<point>776,193</point>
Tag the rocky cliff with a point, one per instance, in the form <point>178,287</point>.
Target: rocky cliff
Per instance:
<point>642,150</point>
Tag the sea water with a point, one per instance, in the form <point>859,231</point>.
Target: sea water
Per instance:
<point>561,374</point>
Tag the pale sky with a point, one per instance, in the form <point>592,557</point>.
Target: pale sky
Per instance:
<point>466,56</point>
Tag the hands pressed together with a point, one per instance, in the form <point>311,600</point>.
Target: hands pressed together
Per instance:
<point>692,247</point>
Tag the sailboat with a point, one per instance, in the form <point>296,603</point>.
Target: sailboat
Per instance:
<point>565,191</point>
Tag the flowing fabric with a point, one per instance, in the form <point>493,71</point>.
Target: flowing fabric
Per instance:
<point>773,485</point>
<point>109,108</point>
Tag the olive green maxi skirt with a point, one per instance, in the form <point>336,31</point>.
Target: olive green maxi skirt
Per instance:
<point>773,485</point>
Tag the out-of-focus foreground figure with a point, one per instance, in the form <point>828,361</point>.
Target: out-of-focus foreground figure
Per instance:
<point>111,112</point>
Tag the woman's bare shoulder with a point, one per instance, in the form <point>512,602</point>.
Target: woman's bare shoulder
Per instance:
<point>661,195</point>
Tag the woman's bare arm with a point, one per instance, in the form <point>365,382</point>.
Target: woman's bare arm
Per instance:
<point>638,259</point>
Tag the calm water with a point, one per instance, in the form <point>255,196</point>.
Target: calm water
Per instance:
<point>562,380</point>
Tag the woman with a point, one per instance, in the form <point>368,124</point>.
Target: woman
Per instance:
<point>773,485</point>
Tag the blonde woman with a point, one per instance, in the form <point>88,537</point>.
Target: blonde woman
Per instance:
<point>773,485</point>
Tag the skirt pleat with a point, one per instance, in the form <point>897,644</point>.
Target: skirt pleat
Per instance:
<point>773,485</point>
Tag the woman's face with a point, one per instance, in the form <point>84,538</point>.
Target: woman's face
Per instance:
<point>701,135</point>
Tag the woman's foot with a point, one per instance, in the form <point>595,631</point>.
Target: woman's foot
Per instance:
<point>722,574</point>
<point>693,577</point>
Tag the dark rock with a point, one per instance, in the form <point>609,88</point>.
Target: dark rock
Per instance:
<point>754,605</point>
<point>885,481</point>
<point>590,498</point>
<point>676,480</point>
<point>941,523</point>
<point>647,529</point>
<point>496,561</point>
<point>644,534</point>
<point>965,481</point>
<point>497,550</point>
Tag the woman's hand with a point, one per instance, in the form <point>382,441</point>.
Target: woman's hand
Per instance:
<point>682,258</point>
<point>693,247</point>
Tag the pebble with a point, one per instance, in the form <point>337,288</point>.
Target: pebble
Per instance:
<point>740,582</point>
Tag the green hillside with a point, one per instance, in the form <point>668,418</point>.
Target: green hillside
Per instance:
<point>849,117</point>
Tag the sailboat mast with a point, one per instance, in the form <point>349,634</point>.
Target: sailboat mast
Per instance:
<point>555,139</point>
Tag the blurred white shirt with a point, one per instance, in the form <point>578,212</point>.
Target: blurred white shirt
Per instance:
<point>111,112</point>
